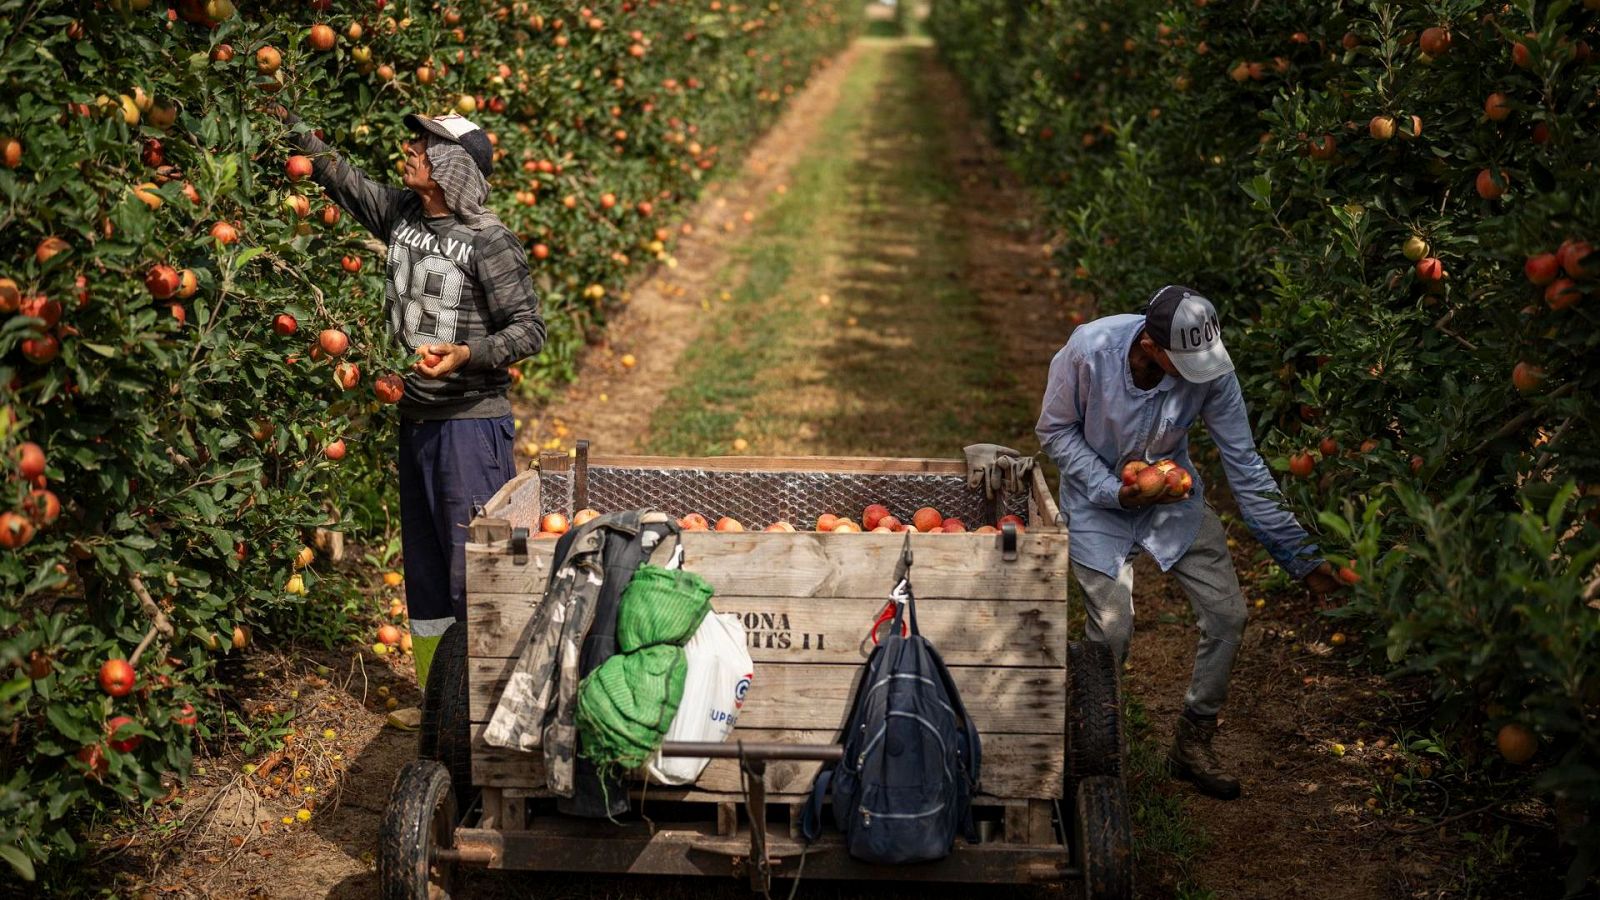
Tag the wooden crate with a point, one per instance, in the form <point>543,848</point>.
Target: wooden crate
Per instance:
<point>807,601</point>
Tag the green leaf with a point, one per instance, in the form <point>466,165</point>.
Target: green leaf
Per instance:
<point>107,351</point>
<point>18,861</point>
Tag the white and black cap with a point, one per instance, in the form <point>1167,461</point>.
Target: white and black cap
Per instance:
<point>458,130</point>
<point>1185,325</point>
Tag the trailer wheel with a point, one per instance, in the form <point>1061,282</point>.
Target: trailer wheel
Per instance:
<point>420,819</point>
<point>1104,839</point>
<point>445,734</point>
<point>1094,713</point>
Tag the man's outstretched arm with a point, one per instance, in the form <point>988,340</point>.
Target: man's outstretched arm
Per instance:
<point>1257,494</point>
<point>371,203</point>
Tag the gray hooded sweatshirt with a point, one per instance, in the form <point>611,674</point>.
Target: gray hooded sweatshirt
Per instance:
<point>445,284</point>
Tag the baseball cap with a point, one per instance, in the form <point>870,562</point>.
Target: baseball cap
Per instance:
<point>1185,325</point>
<point>459,130</point>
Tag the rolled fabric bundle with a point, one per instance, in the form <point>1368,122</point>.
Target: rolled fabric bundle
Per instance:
<point>661,606</point>
<point>626,705</point>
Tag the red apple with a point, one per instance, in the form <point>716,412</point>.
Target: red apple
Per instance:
<point>49,248</point>
<point>335,450</point>
<point>1497,107</point>
<point>1573,254</point>
<point>1492,185</point>
<point>1562,293</point>
<point>321,38</point>
<point>117,677</point>
<point>1015,521</point>
<point>1435,41</point>
<point>298,167</point>
<point>30,461</point>
<point>351,264</point>
<point>285,324</point>
<point>185,716</point>
<point>872,515</point>
<point>127,744</point>
<point>1527,377</point>
<point>42,308</point>
<point>333,341</point>
<point>42,506</point>
<point>389,387</point>
<point>346,375</point>
<point>1301,464</point>
<point>1130,472</point>
<point>1430,270</point>
<point>1542,269</point>
<point>162,281</point>
<point>15,531</point>
<point>225,233</point>
<point>94,757</point>
<point>41,349</point>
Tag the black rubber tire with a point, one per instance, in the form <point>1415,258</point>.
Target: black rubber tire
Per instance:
<point>1095,741</point>
<point>1104,839</point>
<point>420,818</point>
<point>445,734</point>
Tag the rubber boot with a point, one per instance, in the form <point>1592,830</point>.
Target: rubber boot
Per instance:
<point>1193,759</point>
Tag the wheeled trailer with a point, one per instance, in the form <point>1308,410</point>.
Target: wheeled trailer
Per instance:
<point>1052,805</point>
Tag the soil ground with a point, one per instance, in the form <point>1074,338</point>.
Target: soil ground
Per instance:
<point>874,282</point>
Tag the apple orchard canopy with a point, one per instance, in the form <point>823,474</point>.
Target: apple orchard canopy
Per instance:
<point>1185,325</point>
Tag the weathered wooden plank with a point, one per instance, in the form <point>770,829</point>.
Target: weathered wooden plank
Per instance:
<point>830,629</point>
<point>810,696</point>
<point>492,809</point>
<point>967,566</point>
<point>1016,822</point>
<point>1043,512</point>
<point>517,502</point>
<point>1041,828</point>
<point>1015,766</point>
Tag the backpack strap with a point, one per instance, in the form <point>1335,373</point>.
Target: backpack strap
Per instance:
<point>974,748</point>
<point>811,820</point>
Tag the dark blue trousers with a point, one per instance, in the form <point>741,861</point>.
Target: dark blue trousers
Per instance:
<point>448,470</point>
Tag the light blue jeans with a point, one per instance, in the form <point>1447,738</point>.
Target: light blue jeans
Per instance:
<point>1208,577</point>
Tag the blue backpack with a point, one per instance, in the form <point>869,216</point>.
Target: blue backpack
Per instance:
<point>911,754</point>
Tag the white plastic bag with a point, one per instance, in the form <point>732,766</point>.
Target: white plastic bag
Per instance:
<point>719,675</point>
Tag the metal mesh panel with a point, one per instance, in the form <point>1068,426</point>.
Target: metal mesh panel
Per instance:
<point>759,498</point>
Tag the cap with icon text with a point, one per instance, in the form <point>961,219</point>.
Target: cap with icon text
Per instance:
<point>1185,324</point>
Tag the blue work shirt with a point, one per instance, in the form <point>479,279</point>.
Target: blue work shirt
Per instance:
<point>1095,420</point>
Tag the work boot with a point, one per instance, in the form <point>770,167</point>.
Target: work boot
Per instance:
<point>1192,759</point>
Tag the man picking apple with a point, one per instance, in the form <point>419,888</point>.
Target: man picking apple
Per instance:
<point>1122,394</point>
<point>458,293</point>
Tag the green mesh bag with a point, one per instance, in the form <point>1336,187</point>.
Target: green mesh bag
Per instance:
<point>661,606</point>
<point>626,705</point>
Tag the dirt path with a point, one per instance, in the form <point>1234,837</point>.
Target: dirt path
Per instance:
<point>873,282</point>
<point>610,404</point>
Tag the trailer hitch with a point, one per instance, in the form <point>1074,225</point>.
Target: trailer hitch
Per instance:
<point>753,759</point>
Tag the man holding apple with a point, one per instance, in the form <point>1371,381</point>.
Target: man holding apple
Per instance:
<point>458,293</point>
<point>1121,398</point>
